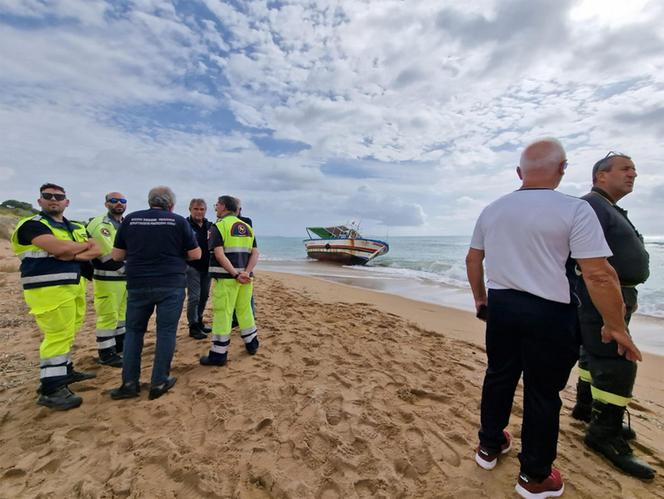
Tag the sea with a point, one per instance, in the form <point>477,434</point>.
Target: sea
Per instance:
<point>432,269</point>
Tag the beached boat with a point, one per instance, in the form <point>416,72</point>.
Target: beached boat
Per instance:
<point>342,244</point>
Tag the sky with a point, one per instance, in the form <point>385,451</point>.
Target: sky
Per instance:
<point>407,116</point>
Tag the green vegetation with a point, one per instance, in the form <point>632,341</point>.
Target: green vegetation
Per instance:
<point>11,211</point>
<point>19,208</point>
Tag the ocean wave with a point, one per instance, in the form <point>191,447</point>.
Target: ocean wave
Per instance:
<point>268,258</point>
<point>436,272</point>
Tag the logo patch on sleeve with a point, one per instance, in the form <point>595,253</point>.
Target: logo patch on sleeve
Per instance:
<point>239,229</point>
<point>105,232</point>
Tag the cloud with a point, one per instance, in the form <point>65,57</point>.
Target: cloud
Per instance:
<point>406,114</point>
<point>386,210</point>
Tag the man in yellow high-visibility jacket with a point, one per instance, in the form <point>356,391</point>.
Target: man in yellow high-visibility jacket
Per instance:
<point>110,282</point>
<point>233,259</point>
<point>51,249</point>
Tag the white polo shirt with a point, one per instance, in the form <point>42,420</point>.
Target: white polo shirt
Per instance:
<point>527,237</point>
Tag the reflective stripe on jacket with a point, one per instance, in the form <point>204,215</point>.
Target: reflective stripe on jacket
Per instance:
<point>238,244</point>
<point>39,268</point>
<point>102,230</point>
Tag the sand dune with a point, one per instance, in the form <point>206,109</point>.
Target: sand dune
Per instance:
<point>344,399</point>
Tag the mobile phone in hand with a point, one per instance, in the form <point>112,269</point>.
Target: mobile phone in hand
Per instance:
<point>482,312</point>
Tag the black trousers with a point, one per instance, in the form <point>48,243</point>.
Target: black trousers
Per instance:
<point>610,371</point>
<point>538,338</point>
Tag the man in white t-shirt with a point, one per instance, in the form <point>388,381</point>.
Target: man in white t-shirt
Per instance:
<point>526,238</point>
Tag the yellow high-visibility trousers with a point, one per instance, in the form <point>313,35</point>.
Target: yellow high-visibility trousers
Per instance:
<point>110,299</point>
<point>229,296</point>
<point>59,312</point>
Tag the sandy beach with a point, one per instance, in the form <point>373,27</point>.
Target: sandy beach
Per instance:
<point>354,393</point>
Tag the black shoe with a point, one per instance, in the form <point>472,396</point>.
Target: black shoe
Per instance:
<point>619,453</point>
<point>196,333</point>
<point>76,376</point>
<point>604,436</point>
<point>114,361</point>
<point>206,361</point>
<point>204,328</point>
<point>126,391</point>
<point>159,390</point>
<point>252,346</point>
<point>60,400</point>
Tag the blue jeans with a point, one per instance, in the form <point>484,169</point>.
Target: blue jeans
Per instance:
<point>140,306</point>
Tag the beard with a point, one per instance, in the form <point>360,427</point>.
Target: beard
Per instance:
<point>119,210</point>
<point>53,210</point>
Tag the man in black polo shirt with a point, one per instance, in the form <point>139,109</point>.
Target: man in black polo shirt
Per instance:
<point>606,377</point>
<point>155,245</point>
<point>198,276</point>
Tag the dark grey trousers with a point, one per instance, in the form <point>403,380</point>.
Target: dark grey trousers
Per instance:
<point>198,291</point>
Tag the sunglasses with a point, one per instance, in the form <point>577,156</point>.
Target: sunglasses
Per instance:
<point>116,200</point>
<point>51,195</point>
<point>564,165</point>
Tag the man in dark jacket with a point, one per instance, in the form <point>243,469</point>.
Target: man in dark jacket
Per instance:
<point>198,276</point>
<point>606,378</point>
<point>155,245</point>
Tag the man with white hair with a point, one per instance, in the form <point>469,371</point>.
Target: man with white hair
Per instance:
<point>526,238</point>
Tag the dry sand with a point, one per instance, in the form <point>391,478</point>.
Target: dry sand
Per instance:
<point>353,394</point>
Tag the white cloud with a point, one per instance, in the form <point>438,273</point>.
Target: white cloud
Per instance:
<point>428,102</point>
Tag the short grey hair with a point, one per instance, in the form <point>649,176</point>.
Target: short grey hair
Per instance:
<point>196,202</point>
<point>606,163</point>
<point>545,153</point>
<point>161,197</point>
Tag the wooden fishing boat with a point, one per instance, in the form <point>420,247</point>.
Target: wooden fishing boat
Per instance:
<point>342,244</point>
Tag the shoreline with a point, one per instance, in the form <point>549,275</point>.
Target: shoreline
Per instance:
<point>648,331</point>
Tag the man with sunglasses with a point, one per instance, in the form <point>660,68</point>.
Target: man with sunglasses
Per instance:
<point>606,378</point>
<point>109,282</point>
<point>51,249</point>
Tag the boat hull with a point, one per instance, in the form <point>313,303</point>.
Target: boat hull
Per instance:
<point>346,251</point>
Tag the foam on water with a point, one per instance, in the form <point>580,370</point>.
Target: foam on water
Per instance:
<point>441,261</point>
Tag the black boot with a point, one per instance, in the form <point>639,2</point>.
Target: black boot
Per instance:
<point>604,435</point>
<point>61,399</point>
<point>196,333</point>
<point>584,401</point>
<point>75,376</point>
<point>582,408</point>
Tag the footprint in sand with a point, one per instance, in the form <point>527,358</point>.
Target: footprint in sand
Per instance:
<point>330,491</point>
<point>51,466</point>
<point>333,410</point>
<point>449,446</point>
<point>417,450</point>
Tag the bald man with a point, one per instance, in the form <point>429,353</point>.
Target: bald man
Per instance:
<point>526,238</point>
<point>109,282</point>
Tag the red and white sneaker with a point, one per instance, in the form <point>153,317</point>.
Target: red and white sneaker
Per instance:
<point>553,486</point>
<point>488,459</point>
